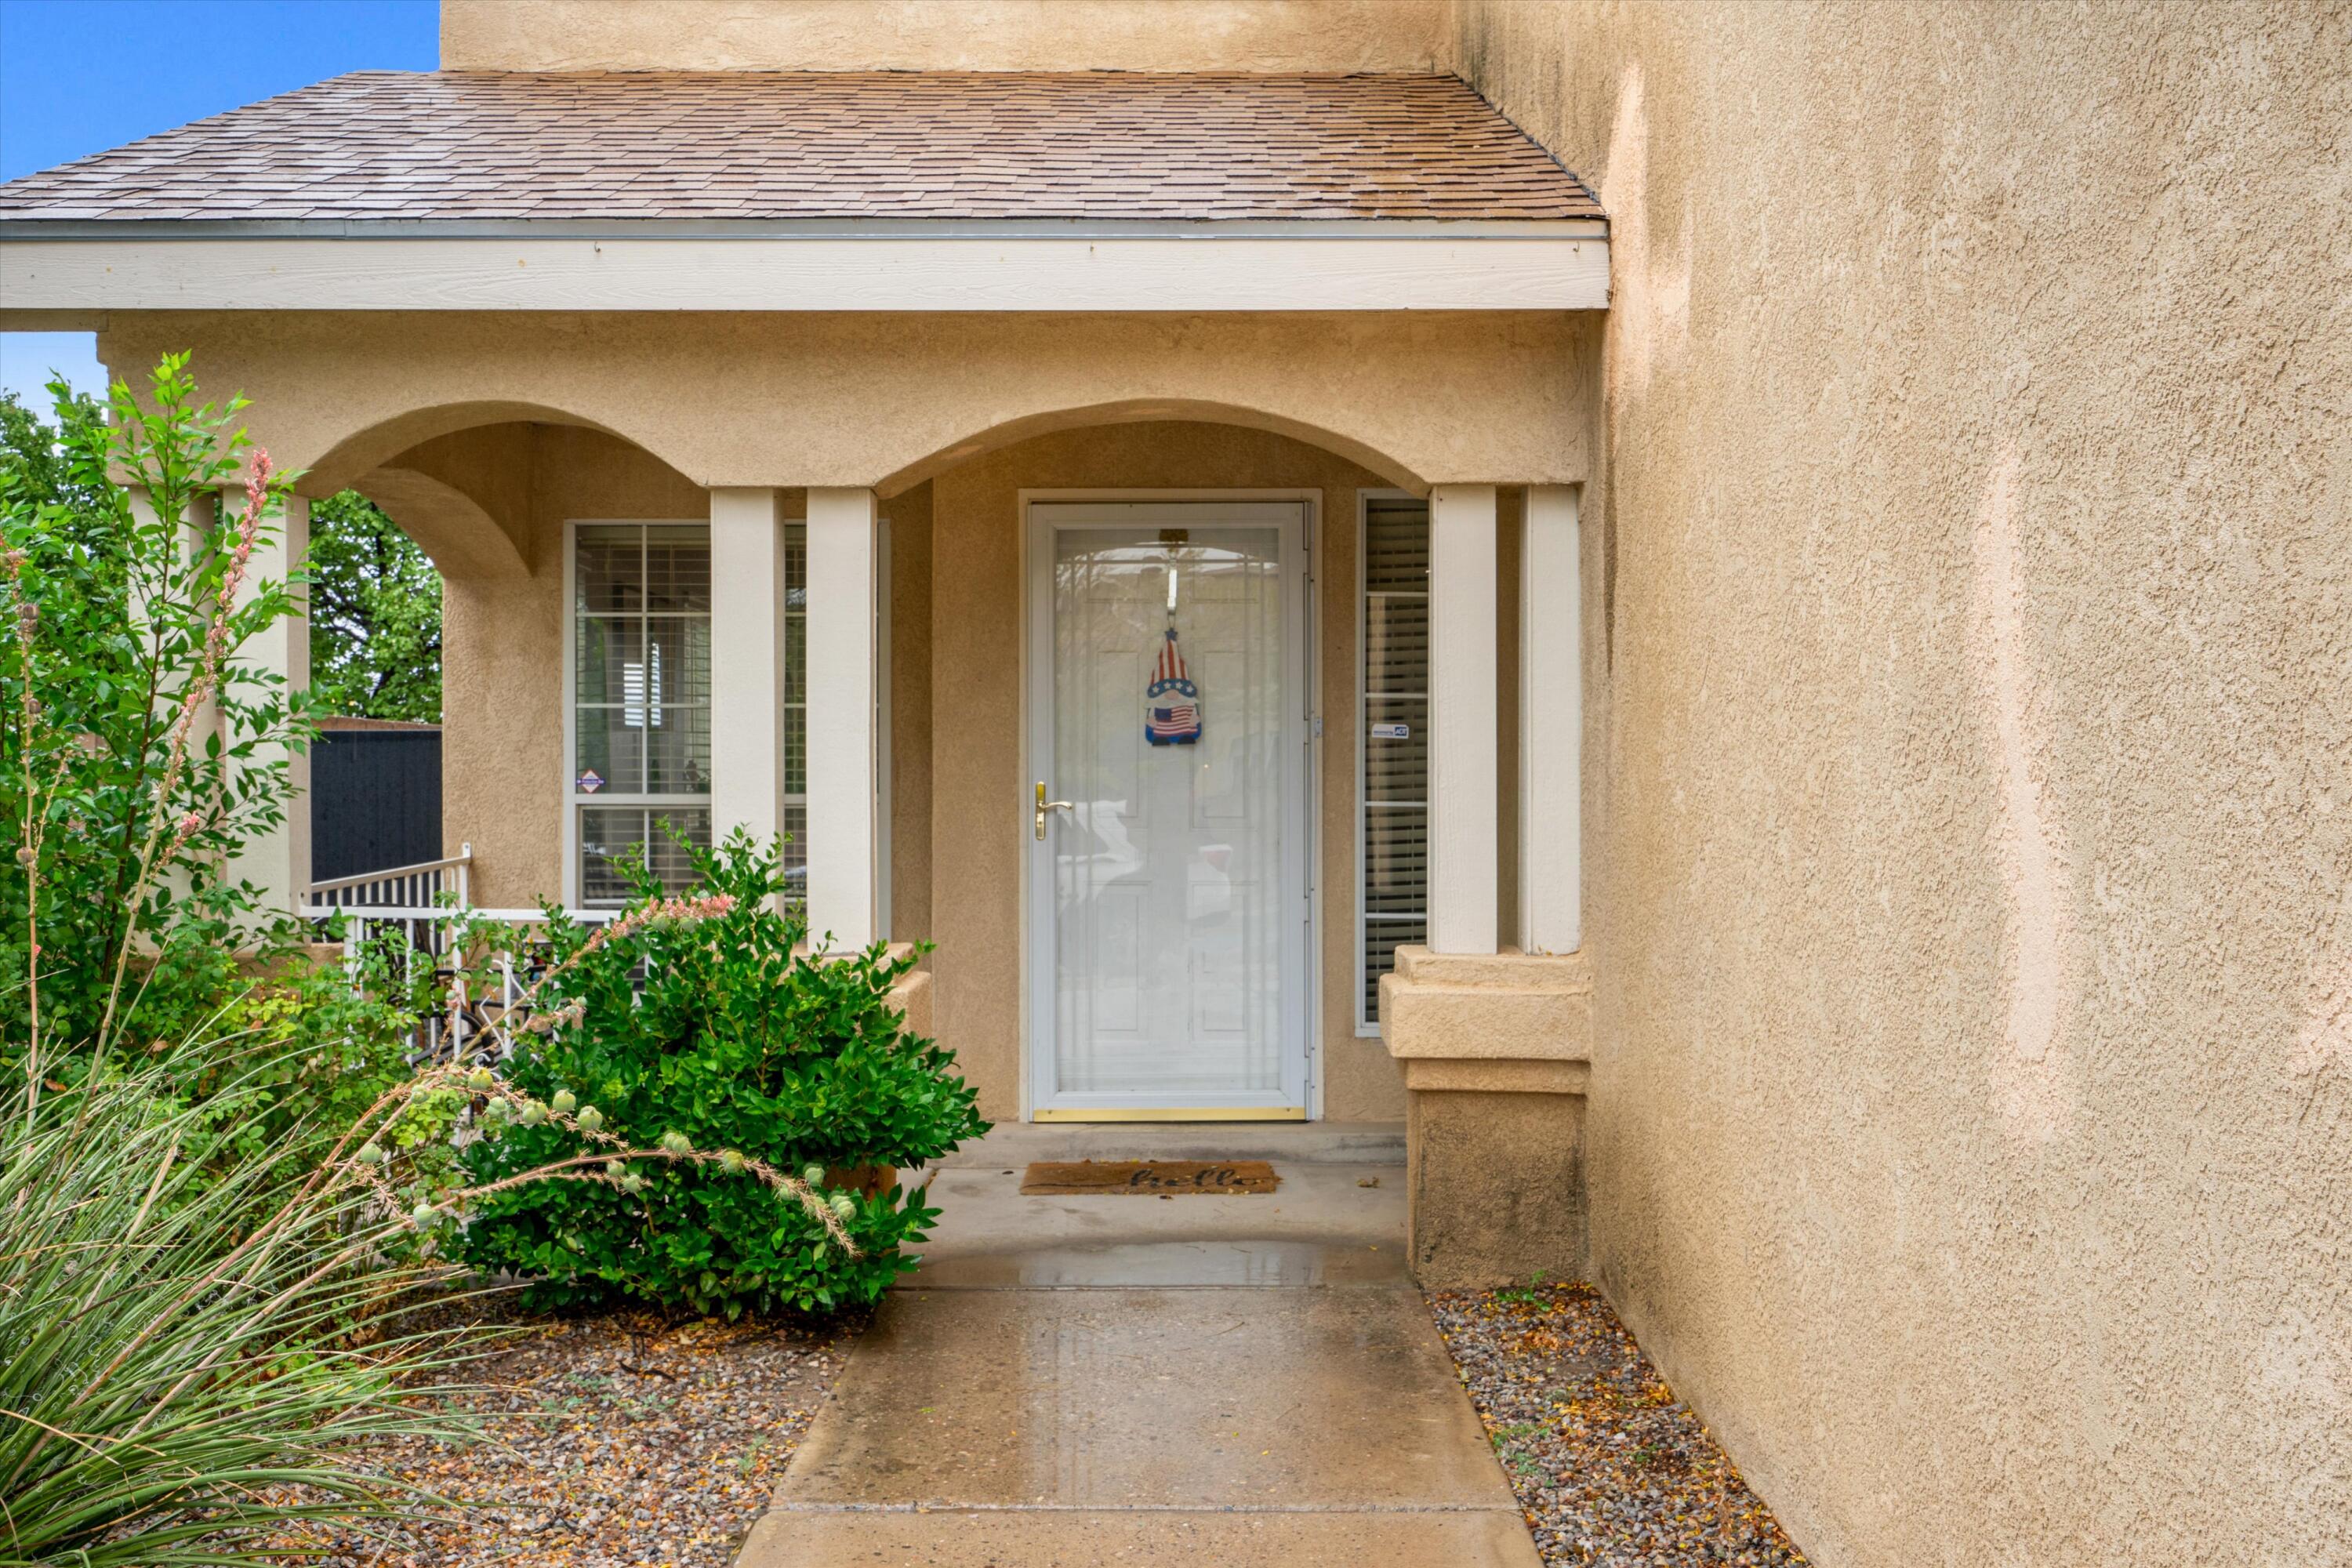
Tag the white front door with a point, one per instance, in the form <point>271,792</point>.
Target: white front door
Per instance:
<point>1168,898</point>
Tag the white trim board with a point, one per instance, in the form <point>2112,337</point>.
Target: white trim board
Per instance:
<point>1551,721</point>
<point>1369,269</point>
<point>842,541</point>
<point>1463,829</point>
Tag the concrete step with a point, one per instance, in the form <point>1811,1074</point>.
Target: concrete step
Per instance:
<point>1011,1144</point>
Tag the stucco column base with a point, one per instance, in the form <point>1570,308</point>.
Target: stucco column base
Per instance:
<point>912,992</point>
<point>1497,1053</point>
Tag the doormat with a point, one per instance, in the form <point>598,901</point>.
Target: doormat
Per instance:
<point>1151,1178</point>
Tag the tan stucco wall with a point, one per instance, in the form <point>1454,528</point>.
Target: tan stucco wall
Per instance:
<point>944,34</point>
<point>884,399</point>
<point>1970,758</point>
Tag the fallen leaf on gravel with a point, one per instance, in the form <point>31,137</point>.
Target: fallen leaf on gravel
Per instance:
<point>1611,1467</point>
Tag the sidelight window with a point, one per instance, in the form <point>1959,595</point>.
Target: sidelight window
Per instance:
<point>1392,845</point>
<point>796,708</point>
<point>641,701</point>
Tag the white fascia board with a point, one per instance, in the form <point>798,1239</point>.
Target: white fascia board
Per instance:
<point>1363,265</point>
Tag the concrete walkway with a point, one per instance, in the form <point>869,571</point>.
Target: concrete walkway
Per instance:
<point>1230,1383</point>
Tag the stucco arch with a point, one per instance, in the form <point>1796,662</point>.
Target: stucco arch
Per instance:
<point>453,528</point>
<point>1142,410</point>
<point>460,480</point>
<point>345,457</point>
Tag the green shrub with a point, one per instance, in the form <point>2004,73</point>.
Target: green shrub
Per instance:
<point>715,1031</point>
<point>319,1052</point>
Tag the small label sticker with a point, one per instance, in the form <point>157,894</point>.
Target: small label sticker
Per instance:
<point>1391,731</point>
<point>588,782</point>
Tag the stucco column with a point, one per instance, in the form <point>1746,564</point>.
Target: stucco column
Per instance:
<point>277,860</point>
<point>1552,723</point>
<point>842,576</point>
<point>747,663</point>
<point>1463,840</point>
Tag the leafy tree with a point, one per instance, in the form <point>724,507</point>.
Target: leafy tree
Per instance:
<point>374,600</point>
<point>375,615</point>
<point>48,459</point>
<point>123,701</point>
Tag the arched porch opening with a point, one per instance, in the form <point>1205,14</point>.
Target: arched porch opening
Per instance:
<point>961,694</point>
<point>492,494</point>
<point>1149,411</point>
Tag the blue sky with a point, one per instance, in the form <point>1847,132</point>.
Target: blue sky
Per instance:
<point>80,76</point>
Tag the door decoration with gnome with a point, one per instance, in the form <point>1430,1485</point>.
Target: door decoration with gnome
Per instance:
<point>1171,703</point>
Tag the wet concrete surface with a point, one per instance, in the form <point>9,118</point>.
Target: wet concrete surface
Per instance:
<point>1322,1226</point>
<point>1182,1398</point>
<point>997,1537</point>
<point>1075,1381</point>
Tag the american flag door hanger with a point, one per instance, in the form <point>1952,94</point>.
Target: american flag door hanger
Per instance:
<point>1171,703</point>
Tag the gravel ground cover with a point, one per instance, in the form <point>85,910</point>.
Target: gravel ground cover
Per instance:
<point>611,1440</point>
<point>1611,1467</point>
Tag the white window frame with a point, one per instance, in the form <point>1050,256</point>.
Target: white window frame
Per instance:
<point>1367,1028</point>
<point>569,762</point>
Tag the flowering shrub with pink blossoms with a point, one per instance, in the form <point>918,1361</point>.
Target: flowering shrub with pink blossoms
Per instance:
<point>140,750</point>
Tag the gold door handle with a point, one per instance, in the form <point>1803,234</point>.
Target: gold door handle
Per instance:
<point>1044,805</point>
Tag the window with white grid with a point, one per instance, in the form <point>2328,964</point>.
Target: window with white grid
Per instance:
<point>796,708</point>
<point>641,701</point>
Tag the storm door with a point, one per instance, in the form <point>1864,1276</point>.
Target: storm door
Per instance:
<point>1167,782</point>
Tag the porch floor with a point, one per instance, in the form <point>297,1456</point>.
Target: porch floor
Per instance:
<point>1079,1380</point>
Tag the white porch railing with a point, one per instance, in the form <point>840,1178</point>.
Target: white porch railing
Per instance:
<point>406,913</point>
<point>415,886</point>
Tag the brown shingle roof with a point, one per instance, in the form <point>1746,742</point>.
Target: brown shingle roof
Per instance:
<point>452,145</point>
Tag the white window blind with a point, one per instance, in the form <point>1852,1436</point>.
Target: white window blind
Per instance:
<point>641,701</point>
<point>797,708</point>
<point>1393,780</point>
